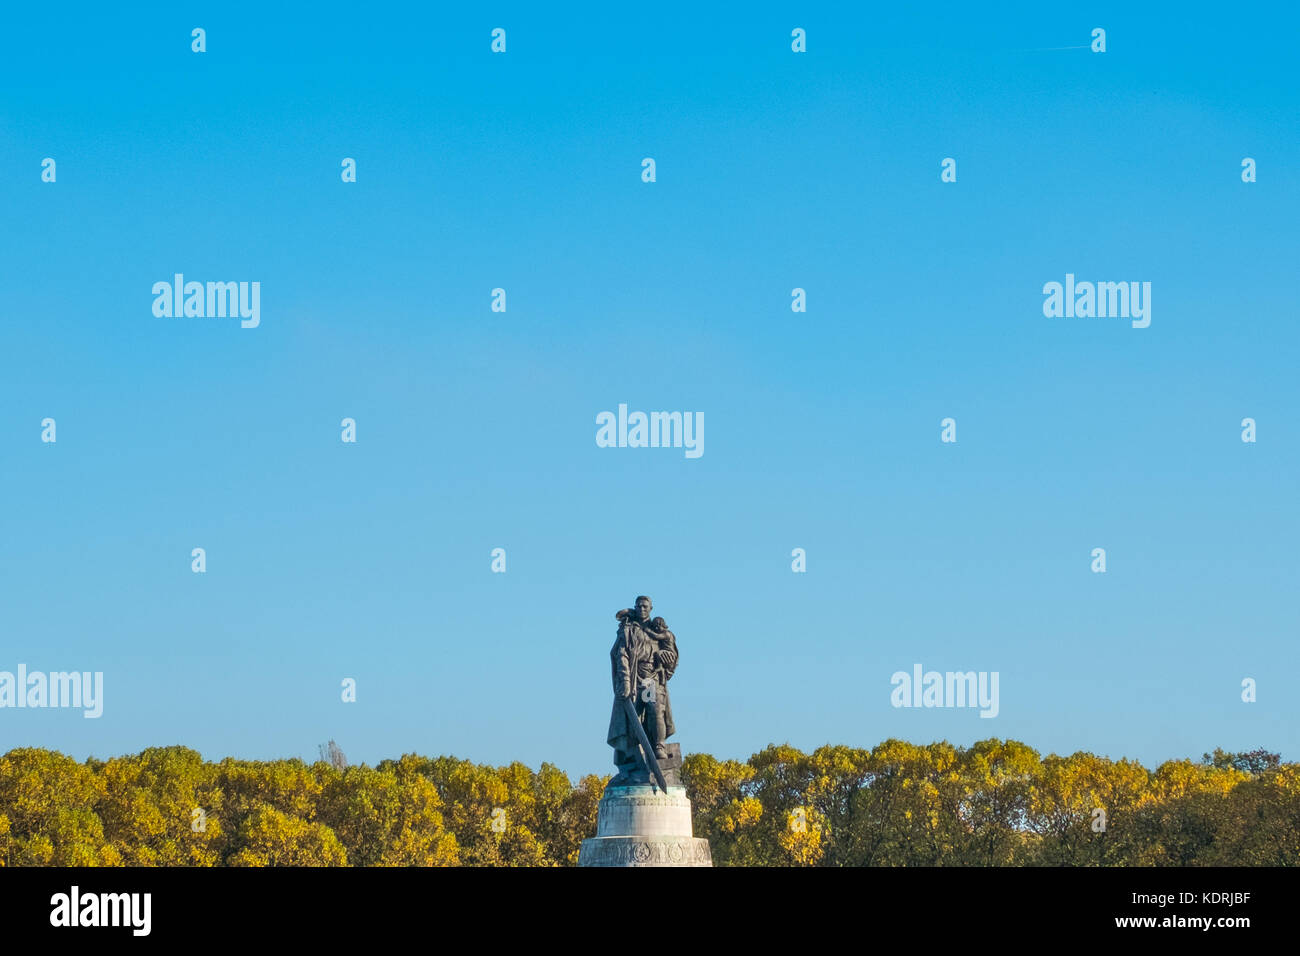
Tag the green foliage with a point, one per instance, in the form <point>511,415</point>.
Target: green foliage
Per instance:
<point>996,803</point>
<point>1252,761</point>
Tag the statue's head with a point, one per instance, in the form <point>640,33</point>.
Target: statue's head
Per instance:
<point>642,608</point>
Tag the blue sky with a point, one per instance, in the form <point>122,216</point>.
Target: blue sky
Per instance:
<point>476,429</point>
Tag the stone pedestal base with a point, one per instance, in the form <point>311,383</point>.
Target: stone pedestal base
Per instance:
<point>643,826</point>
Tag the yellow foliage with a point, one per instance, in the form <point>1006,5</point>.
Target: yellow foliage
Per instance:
<point>899,804</point>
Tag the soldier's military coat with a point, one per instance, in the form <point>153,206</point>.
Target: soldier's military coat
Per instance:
<point>640,654</point>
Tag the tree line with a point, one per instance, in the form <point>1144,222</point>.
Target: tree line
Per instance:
<point>996,803</point>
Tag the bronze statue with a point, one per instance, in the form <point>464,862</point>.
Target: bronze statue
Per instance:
<point>644,818</point>
<point>643,660</point>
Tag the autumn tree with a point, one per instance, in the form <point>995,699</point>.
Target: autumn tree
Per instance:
<point>1252,761</point>
<point>724,812</point>
<point>994,803</point>
<point>270,837</point>
<point>387,817</point>
<point>49,803</point>
<point>1082,809</point>
<point>162,808</point>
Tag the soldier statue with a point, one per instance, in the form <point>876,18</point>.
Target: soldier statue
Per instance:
<point>643,660</point>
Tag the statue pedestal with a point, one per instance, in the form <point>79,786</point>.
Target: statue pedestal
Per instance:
<point>640,825</point>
